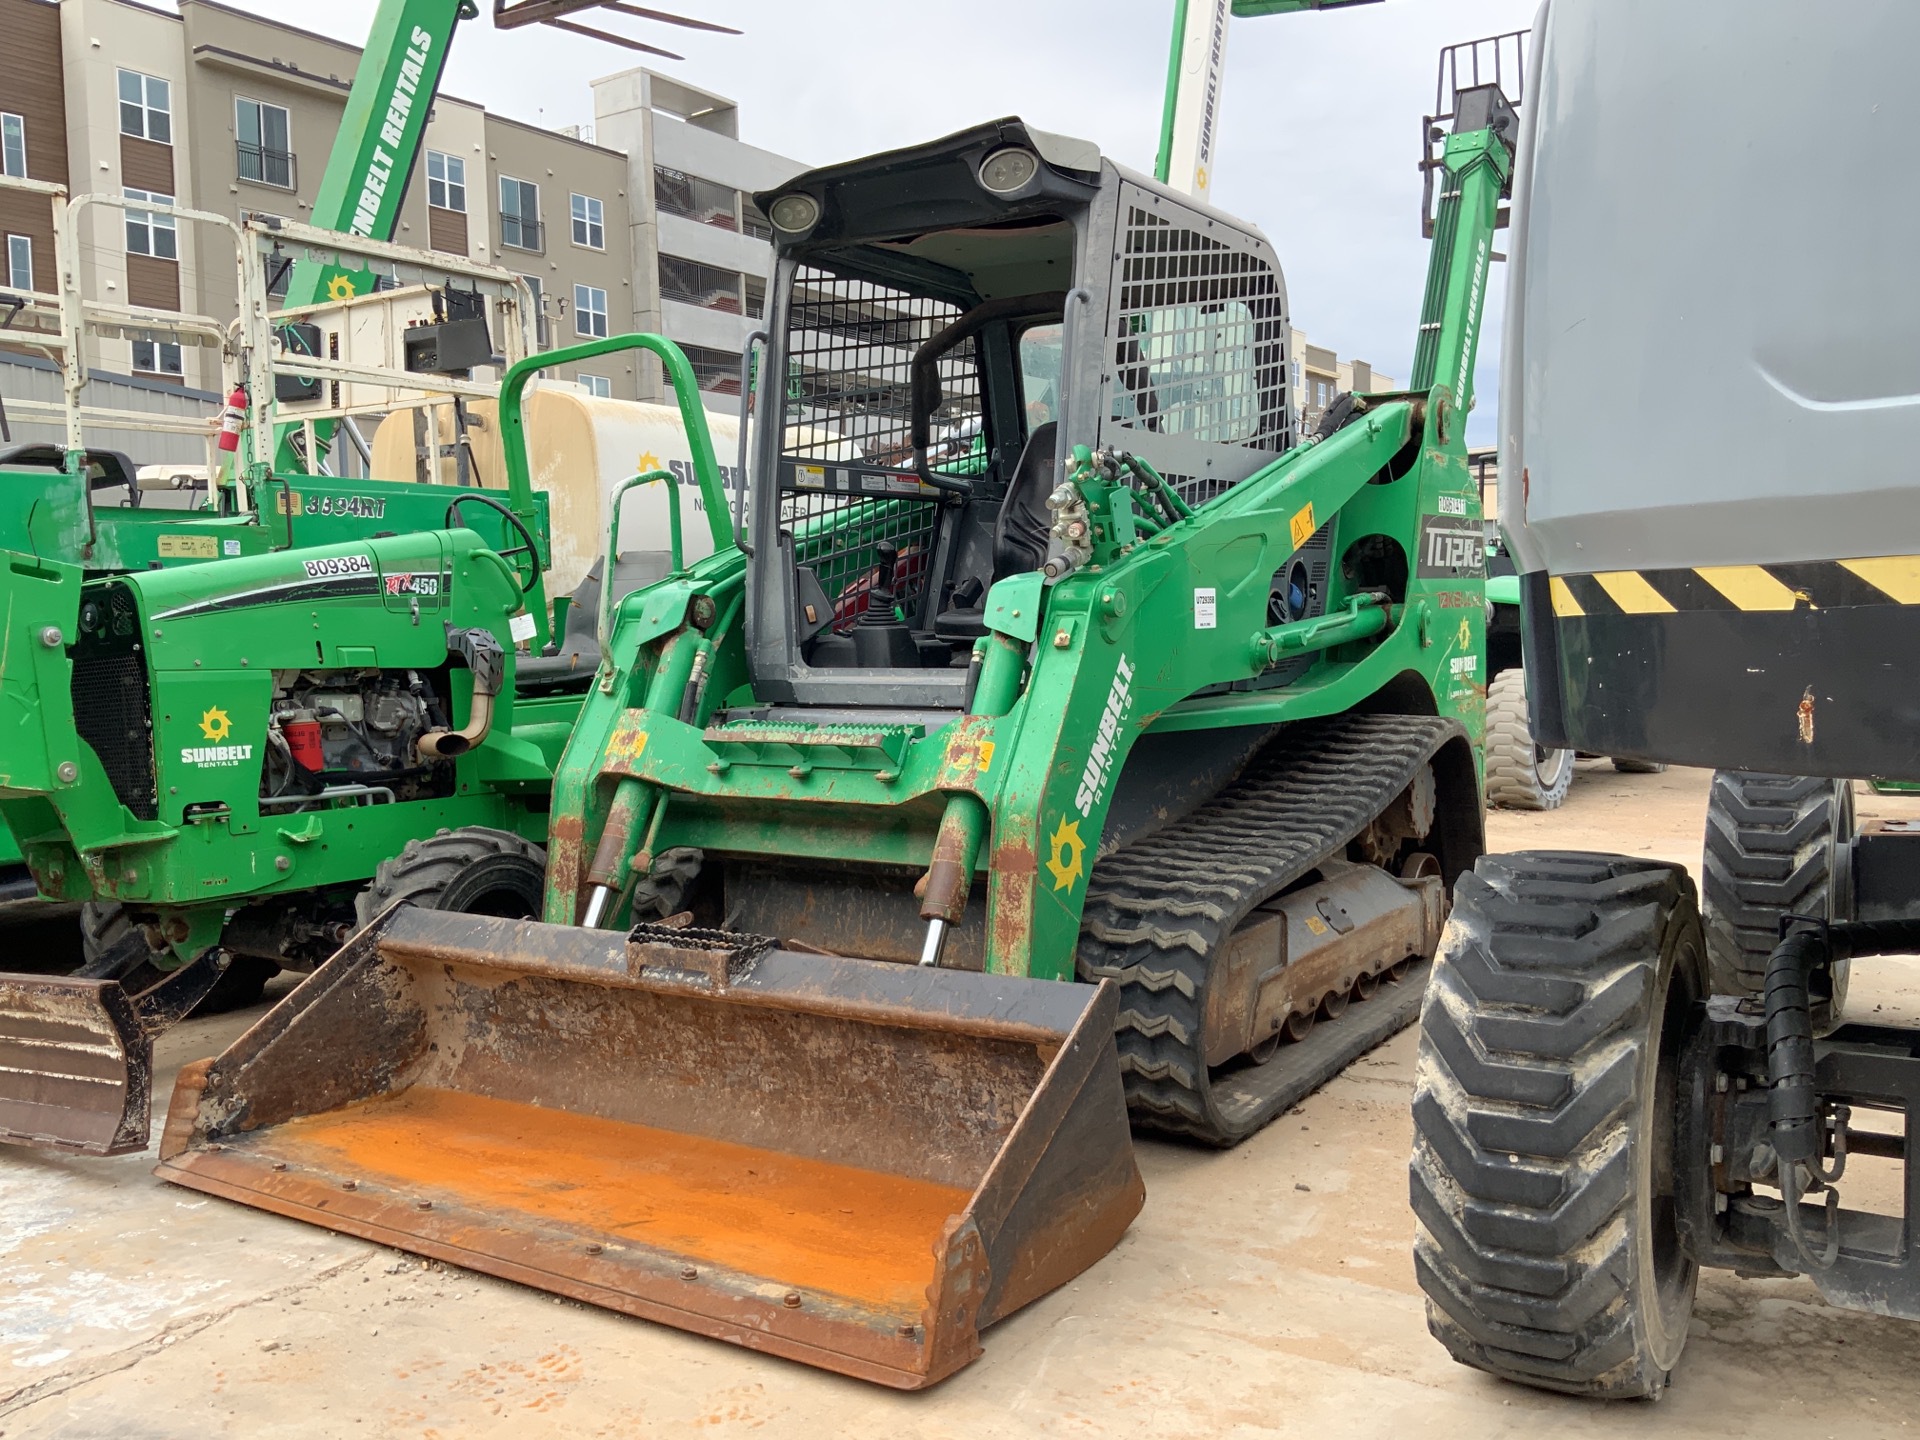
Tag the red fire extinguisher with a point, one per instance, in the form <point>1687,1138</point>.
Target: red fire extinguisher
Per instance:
<point>232,418</point>
<point>302,730</point>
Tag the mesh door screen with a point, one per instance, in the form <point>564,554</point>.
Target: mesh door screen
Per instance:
<point>850,350</point>
<point>848,408</point>
<point>1199,338</point>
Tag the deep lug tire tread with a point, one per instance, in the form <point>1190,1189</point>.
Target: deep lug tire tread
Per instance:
<point>1528,1096</point>
<point>1513,772</point>
<point>1769,853</point>
<point>444,867</point>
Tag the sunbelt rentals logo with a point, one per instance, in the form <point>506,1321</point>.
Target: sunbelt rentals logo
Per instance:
<point>1106,740</point>
<point>217,726</point>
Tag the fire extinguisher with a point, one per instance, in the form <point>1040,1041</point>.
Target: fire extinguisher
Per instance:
<point>233,418</point>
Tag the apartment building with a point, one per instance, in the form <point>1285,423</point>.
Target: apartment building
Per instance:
<point>699,245</point>
<point>1319,374</point>
<point>218,110</point>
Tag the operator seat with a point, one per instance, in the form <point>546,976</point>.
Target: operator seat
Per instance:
<point>1019,532</point>
<point>578,654</point>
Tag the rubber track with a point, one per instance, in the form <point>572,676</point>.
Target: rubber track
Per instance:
<point>1158,910</point>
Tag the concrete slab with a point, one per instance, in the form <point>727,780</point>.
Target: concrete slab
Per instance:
<point>1265,1290</point>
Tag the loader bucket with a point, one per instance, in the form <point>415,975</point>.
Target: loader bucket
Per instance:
<point>852,1163</point>
<point>76,1065</point>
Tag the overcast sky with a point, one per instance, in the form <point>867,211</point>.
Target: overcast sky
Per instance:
<point>1318,138</point>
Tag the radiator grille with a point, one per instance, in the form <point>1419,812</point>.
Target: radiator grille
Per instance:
<point>113,712</point>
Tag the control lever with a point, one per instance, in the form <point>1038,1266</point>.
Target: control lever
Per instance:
<point>881,595</point>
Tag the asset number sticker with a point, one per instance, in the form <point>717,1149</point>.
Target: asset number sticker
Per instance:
<point>1206,610</point>
<point>1453,505</point>
<point>334,565</point>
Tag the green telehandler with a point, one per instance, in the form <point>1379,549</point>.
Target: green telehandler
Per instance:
<point>949,814</point>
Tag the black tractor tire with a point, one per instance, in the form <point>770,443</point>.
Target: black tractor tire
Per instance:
<point>1545,1099</point>
<point>116,949</point>
<point>472,871</point>
<point>1775,847</point>
<point>1520,774</point>
<point>1639,767</point>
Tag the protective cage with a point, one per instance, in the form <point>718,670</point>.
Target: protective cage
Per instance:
<point>850,349</point>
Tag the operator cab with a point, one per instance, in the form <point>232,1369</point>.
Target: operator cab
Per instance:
<point>941,323</point>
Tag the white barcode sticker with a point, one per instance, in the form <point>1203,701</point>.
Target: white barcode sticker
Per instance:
<point>1205,611</point>
<point>521,627</point>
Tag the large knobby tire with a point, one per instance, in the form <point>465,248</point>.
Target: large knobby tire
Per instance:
<point>1774,846</point>
<point>473,871</point>
<point>1520,774</point>
<point>1544,1114</point>
<point>116,949</point>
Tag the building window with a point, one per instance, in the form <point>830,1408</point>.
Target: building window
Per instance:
<point>756,297</point>
<point>692,283</point>
<point>446,182</point>
<point>20,262</point>
<point>589,311</point>
<point>156,357</point>
<point>262,133</point>
<point>589,223</point>
<point>278,267</point>
<point>146,107</point>
<point>150,234</point>
<point>519,213</point>
<point>596,385</point>
<point>752,222</point>
<point>678,193</point>
<point>13,146</point>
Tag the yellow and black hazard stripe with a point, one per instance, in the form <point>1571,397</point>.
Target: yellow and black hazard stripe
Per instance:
<point>1800,669</point>
<point>1811,585</point>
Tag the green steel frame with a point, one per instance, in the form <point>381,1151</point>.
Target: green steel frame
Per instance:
<point>1001,791</point>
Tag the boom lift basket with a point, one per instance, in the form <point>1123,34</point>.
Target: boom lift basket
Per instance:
<point>847,1162</point>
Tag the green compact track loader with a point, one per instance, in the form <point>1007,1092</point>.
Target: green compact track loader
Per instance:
<point>956,811</point>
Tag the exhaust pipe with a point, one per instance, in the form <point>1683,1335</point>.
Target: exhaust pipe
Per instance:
<point>488,662</point>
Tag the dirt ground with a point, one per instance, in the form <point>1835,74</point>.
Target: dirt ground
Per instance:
<point>1265,1290</point>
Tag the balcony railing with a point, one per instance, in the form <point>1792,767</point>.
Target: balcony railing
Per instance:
<point>264,165</point>
<point>724,300</point>
<point>521,233</point>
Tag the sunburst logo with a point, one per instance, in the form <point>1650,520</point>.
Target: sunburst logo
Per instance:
<point>1466,634</point>
<point>1064,863</point>
<point>340,288</point>
<point>215,725</point>
<point>649,463</point>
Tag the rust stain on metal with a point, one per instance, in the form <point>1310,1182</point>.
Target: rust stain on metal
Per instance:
<point>831,1229</point>
<point>913,1154</point>
<point>1804,715</point>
